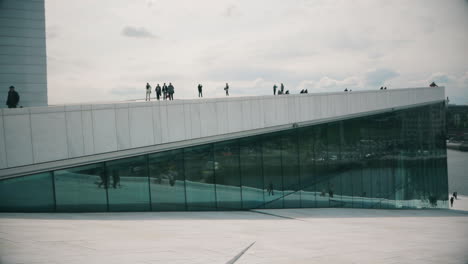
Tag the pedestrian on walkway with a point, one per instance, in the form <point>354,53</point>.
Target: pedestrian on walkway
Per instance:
<point>164,90</point>
<point>227,89</point>
<point>13,98</point>
<point>274,89</point>
<point>148,92</point>
<point>158,91</point>
<point>200,90</point>
<point>282,88</point>
<point>451,201</point>
<point>455,194</point>
<point>171,91</point>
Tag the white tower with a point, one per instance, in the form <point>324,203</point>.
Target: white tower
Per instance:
<point>23,61</point>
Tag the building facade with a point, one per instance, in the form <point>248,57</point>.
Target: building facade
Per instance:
<point>392,159</point>
<point>23,61</point>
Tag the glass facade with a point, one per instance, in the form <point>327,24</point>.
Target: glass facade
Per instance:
<point>390,160</point>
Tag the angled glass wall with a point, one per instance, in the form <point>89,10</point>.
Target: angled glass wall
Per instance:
<point>392,160</point>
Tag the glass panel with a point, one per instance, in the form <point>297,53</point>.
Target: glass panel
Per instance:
<point>81,189</point>
<point>290,162</point>
<point>334,168</point>
<point>129,190</point>
<point>351,156</point>
<point>228,191</point>
<point>271,148</point>
<point>321,156</point>
<point>307,166</point>
<point>32,193</point>
<point>199,168</point>
<point>167,182</point>
<point>251,172</point>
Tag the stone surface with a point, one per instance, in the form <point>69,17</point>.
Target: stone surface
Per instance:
<point>280,236</point>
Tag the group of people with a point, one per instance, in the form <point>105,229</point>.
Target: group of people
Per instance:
<point>280,91</point>
<point>167,92</point>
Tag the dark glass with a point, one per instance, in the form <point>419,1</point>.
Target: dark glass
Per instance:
<point>167,181</point>
<point>272,175</point>
<point>334,166</point>
<point>199,168</point>
<point>227,174</point>
<point>81,189</point>
<point>128,184</point>
<point>307,166</point>
<point>251,172</point>
<point>290,169</point>
<point>351,157</point>
<point>32,193</point>
<point>321,176</point>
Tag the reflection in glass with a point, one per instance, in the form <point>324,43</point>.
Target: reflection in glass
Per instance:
<point>228,191</point>
<point>128,184</point>
<point>32,193</point>
<point>251,172</point>
<point>167,181</point>
<point>272,178</point>
<point>81,189</point>
<point>199,168</point>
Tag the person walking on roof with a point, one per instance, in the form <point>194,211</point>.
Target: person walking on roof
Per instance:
<point>200,90</point>
<point>274,89</point>
<point>164,90</point>
<point>227,89</point>
<point>158,91</point>
<point>148,92</point>
<point>171,91</point>
<point>13,98</point>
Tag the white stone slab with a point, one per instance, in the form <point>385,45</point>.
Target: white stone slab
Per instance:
<point>208,119</point>
<point>105,135</point>
<point>141,126</point>
<point>222,117</point>
<point>195,120</point>
<point>49,137</point>
<point>176,122</point>
<point>74,134</point>
<point>234,116</point>
<point>122,122</point>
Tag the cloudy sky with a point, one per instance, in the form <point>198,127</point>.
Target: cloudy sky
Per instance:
<point>108,49</point>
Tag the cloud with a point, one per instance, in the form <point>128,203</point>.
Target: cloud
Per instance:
<point>328,84</point>
<point>379,76</point>
<point>137,32</point>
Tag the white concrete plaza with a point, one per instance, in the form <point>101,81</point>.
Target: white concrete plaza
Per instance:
<point>280,236</point>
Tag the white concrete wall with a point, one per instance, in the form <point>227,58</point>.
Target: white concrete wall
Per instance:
<point>23,51</point>
<point>41,134</point>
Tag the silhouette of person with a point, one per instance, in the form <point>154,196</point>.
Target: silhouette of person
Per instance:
<point>274,89</point>
<point>302,91</point>
<point>115,179</point>
<point>455,195</point>
<point>385,88</point>
<point>158,91</point>
<point>164,90</point>
<point>433,84</point>
<point>287,92</point>
<point>306,91</point>
<point>227,89</point>
<point>451,201</point>
<point>104,180</point>
<point>148,92</point>
<point>171,91</point>
<point>200,90</point>
<point>270,189</point>
<point>381,87</point>
<point>282,88</point>
<point>346,89</point>
<point>13,98</point>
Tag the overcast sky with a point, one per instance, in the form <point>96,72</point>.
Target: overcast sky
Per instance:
<point>108,49</point>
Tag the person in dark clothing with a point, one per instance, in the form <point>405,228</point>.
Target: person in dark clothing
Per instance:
<point>170,89</point>
<point>158,91</point>
<point>270,189</point>
<point>451,201</point>
<point>455,195</point>
<point>200,90</point>
<point>227,89</point>
<point>346,89</point>
<point>385,88</point>
<point>381,87</point>
<point>274,89</point>
<point>148,92</point>
<point>433,84</point>
<point>287,92</point>
<point>115,179</point>
<point>306,91</point>
<point>13,98</point>
<point>282,88</point>
<point>164,90</point>
<point>302,91</point>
